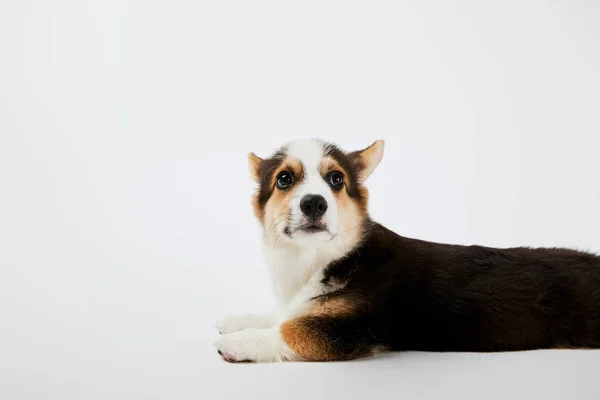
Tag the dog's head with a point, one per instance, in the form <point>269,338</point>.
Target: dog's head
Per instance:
<point>311,192</point>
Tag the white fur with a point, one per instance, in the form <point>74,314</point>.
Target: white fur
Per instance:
<point>235,323</point>
<point>258,345</point>
<point>295,264</point>
<point>292,265</point>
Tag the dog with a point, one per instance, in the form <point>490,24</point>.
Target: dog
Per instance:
<point>347,287</point>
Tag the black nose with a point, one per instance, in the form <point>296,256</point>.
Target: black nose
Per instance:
<point>313,206</point>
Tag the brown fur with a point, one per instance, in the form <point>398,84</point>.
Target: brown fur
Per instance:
<point>334,307</point>
<point>277,202</point>
<point>305,344</point>
<point>368,159</point>
<point>254,162</point>
<point>329,164</point>
<point>303,336</point>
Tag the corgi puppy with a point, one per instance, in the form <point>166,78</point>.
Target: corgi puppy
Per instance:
<point>348,287</point>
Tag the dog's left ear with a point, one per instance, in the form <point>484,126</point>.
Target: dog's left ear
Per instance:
<point>254,163</point>
<point>368,159</point>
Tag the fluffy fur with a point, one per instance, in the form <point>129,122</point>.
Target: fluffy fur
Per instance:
<point>348,287</point>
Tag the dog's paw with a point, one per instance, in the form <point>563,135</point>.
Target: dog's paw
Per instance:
<point>251,345</point>
<point>236,323</point>
<point>232,323</point>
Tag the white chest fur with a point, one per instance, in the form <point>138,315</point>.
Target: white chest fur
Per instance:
<point>291,267</point>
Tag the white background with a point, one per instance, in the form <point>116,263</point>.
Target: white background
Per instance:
<point>125,224</point>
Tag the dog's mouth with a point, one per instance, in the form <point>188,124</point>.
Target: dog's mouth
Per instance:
<point>309,228</point>
<point>314,227</point>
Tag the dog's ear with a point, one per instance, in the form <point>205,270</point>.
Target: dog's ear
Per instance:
<point>368,159</point>
<point>254,163</point>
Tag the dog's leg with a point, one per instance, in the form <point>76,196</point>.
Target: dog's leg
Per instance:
<point>241,342</point>
<point>236,323</point>
<point>336,328</point>
<point>255,345</point>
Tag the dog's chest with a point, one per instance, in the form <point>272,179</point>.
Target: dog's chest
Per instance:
<point>291,268</point>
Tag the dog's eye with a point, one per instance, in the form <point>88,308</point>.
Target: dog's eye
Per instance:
<point>336,180</point>
<point>284,180</point>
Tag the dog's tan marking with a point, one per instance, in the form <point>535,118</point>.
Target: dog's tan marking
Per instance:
<point>309,343</point>
<point>369,159</point>
<point>329,164</point>
<point>305,342</point>
<point>352,212</point>
<point>289,164</point>
<point>335,307</point>
<point>254,163</point>
<point>279,200</point>
<point>259,212</point>
<point>277,208</point>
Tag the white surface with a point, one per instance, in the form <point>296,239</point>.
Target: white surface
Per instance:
<point>125,224</point>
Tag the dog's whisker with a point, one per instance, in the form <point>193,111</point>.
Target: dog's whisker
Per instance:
<point>274,224</point>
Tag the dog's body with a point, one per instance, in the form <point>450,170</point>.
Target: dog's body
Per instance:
<point>348,287</point>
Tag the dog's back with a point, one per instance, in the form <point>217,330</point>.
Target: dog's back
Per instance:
<point>430,296</point>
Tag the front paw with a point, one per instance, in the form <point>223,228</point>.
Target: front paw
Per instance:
<point>232,323</point>
<point>236,323</point>
<point>251,345</point>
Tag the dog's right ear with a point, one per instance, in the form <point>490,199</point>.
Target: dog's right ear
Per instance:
<point>254,163</point>
<point>368,159</point>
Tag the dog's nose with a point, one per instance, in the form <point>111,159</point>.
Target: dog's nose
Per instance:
<point>313,206</point>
